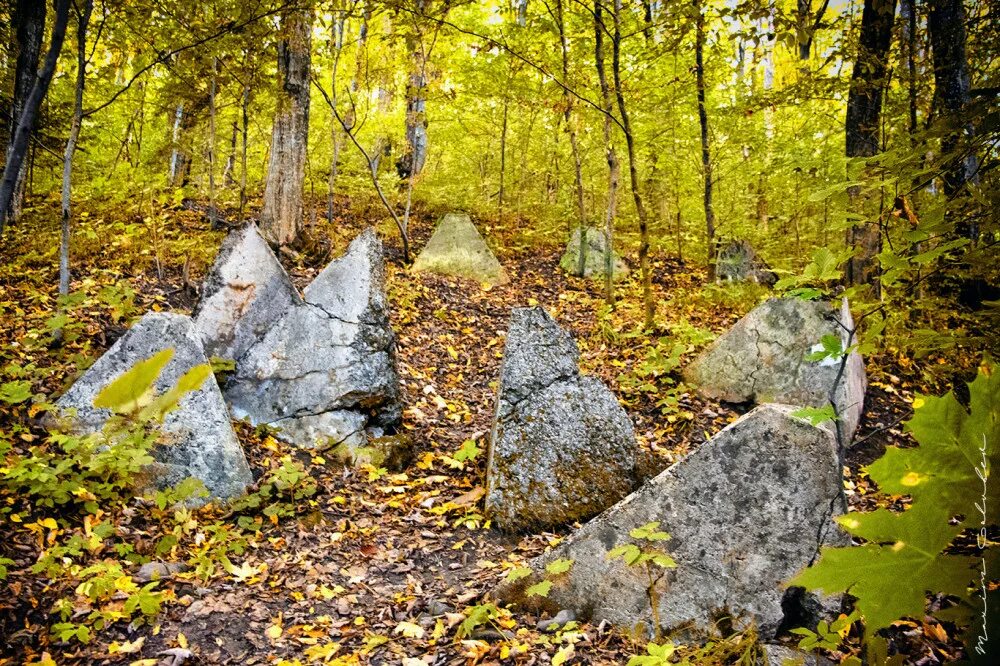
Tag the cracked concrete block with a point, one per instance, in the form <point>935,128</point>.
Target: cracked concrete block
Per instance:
<point>244,293</point>
<point>457,248</point>
<point>763,358</point>
<point>738,262</point>
<point>562,449</point>
<point>198,439</point>
<point>326,369</point>
<point>746,511</point>
<point>595,245</point>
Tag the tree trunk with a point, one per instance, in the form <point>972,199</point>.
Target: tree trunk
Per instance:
<point>706,157</point>
<point>908,14</point>
<point>614,171</point>
<point>74,135</point>
<point>19,146</point>
<point>649,307</point>
<point>581,212</point>
<point>281,217</point>
<point>175,151</point>
<point>503,156</point>
<point>29,19</point>
<point>336,46</point>
<point>864,112</point>
<point>245,117</point>
<point>212,218</point>
<point>412,161</point>
<point>227,174</point>
<point>946,21</point>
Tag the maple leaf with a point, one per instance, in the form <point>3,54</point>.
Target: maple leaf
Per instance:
<point>949,474</point>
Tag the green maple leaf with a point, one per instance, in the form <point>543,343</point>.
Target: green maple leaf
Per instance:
<point>958,448</point>
<point>949,474</point>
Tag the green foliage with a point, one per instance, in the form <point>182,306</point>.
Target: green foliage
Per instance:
<point>816,415</point>
<point>656,655</point>
<point>828,635</point>
<point>951,479</point>
<point>475,617</point>
<point>634,555</point>
<point>817,277</point>
<point>539,589</point>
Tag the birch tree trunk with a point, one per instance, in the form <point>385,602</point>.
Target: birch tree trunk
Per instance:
<point>281,217</point>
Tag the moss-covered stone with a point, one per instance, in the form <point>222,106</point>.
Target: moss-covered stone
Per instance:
<point>595,246</point>
<point>458,249</point>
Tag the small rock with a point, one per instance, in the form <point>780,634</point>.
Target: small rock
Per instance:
<point>151,571</point>
<point>782,655</point>
<point>738,262</point>
<point>561,618</point>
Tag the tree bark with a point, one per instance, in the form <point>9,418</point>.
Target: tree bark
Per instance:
<point>946,21</point>
<point>412,161</point>
<point>281,217</point>
<point>864,112</point>
<point>29,21</point>
<point>649,307</point>
<point>581,212</point>
<point>19,146</point>
<point>614,170</point>
<point>706,156</point>
<point>74,134</point>
<point>212,213</point>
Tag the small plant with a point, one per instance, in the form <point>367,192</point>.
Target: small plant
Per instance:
<point>828,635</point>
<point>651,559</point>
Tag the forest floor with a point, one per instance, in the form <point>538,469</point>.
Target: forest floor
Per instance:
<point>378,566</point>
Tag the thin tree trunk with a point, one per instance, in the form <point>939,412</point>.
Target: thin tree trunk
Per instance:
<point>649,306</point>
<point>244,107</point>
<point>864,112</point>
<point>706,157</point>
<point>415,156</point>
<point>213,221</point>
<point>175,152</point>
<point>503,156</point>
<point>29,19</point>
<point>581,212</point>
<point>227,175</point>
<point>336,45</point>
<point>908,13</point>
<point>614,171</point>
<point>74,134</point>
<point>281,217</point>
<point>19,146</point>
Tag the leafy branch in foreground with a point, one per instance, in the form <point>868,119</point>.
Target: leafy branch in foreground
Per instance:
<point>950,478</point>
